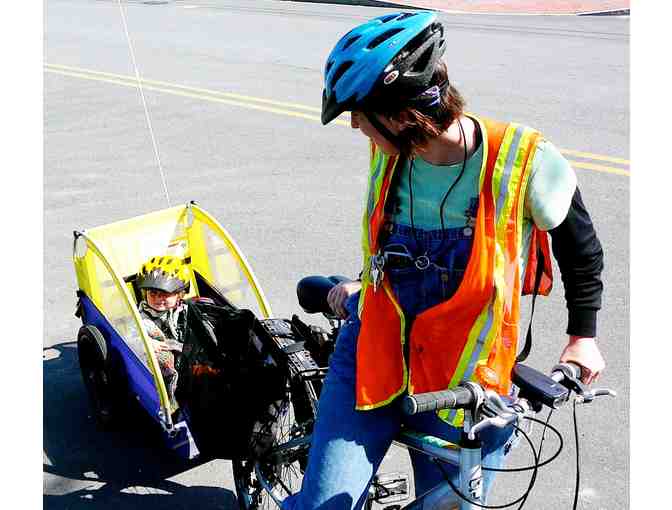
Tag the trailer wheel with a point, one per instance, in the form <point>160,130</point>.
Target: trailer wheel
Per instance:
<point>97,375</point>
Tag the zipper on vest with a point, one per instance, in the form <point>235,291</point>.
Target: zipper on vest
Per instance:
<point>406,351</point>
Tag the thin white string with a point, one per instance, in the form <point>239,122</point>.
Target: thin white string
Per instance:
<point>144,103</point>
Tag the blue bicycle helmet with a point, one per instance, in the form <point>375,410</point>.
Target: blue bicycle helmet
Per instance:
<point>391,56</point>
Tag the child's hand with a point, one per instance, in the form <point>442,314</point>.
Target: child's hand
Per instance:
<point>159,346</point>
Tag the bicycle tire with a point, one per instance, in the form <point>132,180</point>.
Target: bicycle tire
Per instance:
<point>282,463</point>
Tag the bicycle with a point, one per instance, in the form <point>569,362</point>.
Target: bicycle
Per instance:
<point>269,475</point>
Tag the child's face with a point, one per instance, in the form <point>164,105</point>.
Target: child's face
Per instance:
<point>162,301</point>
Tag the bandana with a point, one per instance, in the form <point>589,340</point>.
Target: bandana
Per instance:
<point>430,98</point>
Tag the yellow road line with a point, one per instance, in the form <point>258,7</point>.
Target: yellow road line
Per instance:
<point>184,93</point>
<point>597,157</point>
<point>599,168</point>
<point>208,92</point>
<point>269,105</point>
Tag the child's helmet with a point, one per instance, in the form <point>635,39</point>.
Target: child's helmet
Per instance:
<point>392,56</point>
<point>166,273</point>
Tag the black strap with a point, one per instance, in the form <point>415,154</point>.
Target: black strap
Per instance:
<point>391,137</point>
<point>537,281</point>
<point>292,348</point>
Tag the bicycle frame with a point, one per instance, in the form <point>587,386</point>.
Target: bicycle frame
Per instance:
<point>468,461</point>
<point>440,497</point>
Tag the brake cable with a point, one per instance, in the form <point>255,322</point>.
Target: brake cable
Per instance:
<point>576,442</point>
<point>541,464</point>
<point>543,434</point>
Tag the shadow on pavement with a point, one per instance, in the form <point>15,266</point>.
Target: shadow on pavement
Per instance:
<point>127,467</point>
<point>167,496</point>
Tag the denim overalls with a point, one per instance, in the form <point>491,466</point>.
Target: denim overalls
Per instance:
<point>349,445</point>
<point>447,257</point>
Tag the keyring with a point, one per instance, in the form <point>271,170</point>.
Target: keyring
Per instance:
<point>422,262</point>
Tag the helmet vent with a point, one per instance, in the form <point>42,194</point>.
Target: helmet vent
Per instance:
<point>383,37</point>
<point>350,42</point>
<point>389,17</point>
<point>406,15</point>
<point>341,71</point>
<point>420,64</point>
<point>330,64</point>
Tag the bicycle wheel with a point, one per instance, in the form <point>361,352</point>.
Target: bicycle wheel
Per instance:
<point>280,452</point>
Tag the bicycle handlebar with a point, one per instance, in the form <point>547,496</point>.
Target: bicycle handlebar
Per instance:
<point>456,398</point>
<point>567,370</point>
<point>571,379</point>
<point>465,396</point>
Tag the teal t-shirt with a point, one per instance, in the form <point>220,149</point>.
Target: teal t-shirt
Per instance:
<point>429,184</point>
<point>549,191</point>
<point>548,196</point>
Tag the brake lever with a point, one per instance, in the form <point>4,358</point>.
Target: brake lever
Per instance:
<point>584,394</point>
<point>497,412</point>
<point>496,421</point>
<point>590,395</point>
<point>571,380</point>
<point>494,402</point>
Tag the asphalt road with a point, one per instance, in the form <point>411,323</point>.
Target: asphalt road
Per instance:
<point>236,121</point>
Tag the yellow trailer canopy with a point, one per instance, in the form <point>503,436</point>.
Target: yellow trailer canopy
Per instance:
<point>108,256</point>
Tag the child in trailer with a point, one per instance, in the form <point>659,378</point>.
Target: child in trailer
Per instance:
<point>163,282</point>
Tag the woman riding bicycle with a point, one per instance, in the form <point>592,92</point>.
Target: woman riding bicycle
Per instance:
<point>455,227</point>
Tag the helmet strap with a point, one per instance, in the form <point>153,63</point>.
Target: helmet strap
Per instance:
<point>394,139</point>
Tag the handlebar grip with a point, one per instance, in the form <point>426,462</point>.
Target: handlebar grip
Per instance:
<point>578,371</point>
<point>456,398</point>
<point>566,369</point>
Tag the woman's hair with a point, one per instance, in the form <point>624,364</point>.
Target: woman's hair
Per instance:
<point>425,123</point>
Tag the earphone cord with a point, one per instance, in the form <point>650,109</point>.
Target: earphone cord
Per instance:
<point>445,197</point>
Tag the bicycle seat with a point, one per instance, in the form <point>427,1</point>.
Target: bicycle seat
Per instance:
<point>312,292</point>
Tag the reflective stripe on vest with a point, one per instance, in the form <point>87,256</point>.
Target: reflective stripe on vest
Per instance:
<point>478,325</point>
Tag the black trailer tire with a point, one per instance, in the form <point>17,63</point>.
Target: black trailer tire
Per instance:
<point>97,375</point>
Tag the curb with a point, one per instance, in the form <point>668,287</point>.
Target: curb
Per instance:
<point>617,12</point>
<point>363,3</point>
<point>401,5</point>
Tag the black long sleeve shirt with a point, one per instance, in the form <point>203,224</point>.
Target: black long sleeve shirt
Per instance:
<point>579,254</point>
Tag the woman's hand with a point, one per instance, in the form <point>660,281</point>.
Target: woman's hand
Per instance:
<point>339,294</point>
<point>584,352</point>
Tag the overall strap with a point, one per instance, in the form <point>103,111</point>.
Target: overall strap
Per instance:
<point>537,280</point>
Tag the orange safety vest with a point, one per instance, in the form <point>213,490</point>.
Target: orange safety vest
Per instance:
<point>473,335</point>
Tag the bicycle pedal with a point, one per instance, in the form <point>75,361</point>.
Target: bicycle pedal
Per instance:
<point>389,488</point>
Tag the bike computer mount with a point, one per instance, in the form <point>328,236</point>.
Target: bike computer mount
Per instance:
<point>538,388</point>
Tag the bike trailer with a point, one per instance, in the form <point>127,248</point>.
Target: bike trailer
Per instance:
<point>115,355</point>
